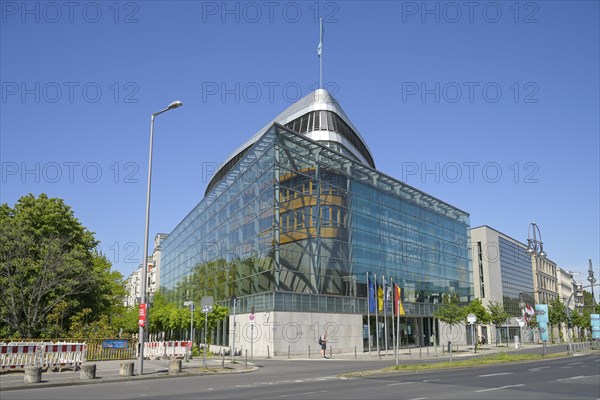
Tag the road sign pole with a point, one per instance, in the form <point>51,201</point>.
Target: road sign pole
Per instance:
<point>206,303</point>
<point>205,343</point>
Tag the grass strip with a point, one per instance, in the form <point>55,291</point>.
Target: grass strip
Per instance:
<point>499,358</point>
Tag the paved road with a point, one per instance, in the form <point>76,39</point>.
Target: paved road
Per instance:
<point>562,378</point>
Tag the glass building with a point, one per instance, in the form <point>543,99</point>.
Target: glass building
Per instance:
<point>293,222</point>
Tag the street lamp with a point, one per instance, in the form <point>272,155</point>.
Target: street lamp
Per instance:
<point>171,106</point>
<point>535,248</point>
<point>591,280</point>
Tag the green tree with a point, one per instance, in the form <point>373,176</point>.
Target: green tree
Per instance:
<point>450,312</point>
<point>49,270</point>
<point>215,317</point>
<point>498,316</point>
<point>556,316</point>
<point>483,316</point>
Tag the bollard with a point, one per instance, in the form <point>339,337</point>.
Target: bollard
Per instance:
<point>33,374</point>
<point>331,352</point>
<point>289,352</point>
<point>420,348</point>
<point>308,351</point>
<point>246,358</point>
<point>126,369</point>
<point>174,367</point>
<point>268,352</point>
<point>88,371</point>
<point>223,361</point>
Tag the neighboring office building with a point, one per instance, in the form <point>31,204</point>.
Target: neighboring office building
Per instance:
<point>292,223</point>
<point>546,279</point>
<point>504,271</point>
<point>133,284</point>
<point>566,287</point>
<point>502,274</point>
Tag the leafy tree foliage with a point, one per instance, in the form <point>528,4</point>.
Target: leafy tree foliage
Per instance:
<point>497,316</point>
<point>477,308</point>
<point>50,271</point>
<point>556,315</point>
<point>450,312</point>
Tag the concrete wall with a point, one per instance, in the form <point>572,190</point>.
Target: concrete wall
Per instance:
<point>296,332</point>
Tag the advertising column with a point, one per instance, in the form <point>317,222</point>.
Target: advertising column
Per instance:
<point>595,326</point>
<point>541,312</point>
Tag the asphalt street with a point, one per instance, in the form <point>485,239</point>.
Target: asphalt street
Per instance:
<point>576,377</point>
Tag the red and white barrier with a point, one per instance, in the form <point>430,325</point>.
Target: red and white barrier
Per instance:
<point>158,350</point>
<point>64,355</point>
<point>176,349</point>
<point>21,355</point>
<point>14,356</point>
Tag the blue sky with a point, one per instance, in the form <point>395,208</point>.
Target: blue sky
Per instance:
<point>489,106</point>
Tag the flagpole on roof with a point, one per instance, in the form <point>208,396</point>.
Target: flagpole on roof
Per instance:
<point>320,52</point>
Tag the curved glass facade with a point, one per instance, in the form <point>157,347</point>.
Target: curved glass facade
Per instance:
<point>296,225</point>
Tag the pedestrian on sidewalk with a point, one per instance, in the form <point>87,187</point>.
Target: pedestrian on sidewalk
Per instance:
<point>323,343</point>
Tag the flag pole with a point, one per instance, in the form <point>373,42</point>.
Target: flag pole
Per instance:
<point>385,324</point>
<point>321,55</point>
<point>392,290</point>
<point>377,314</point>
<point>398,336</point>
<point>368,314</point>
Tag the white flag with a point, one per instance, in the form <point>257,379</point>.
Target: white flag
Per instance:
<point>320,46</point>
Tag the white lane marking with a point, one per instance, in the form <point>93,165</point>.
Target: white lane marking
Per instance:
<point>419,398</point>
<point>576,377</point>
<point>302,394</point>
<point>499,373</point>
<point>575,363</point>
<point>430,380</point>
<point>537,369</point>
<point>399,383</point>
<point>499,388</point>
<point>565,367</point>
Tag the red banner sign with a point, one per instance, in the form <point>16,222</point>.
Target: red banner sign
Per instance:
<point>142,315</point>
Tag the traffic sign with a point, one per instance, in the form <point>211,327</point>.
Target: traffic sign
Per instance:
<point>471,318</point>
<point>206,302</point>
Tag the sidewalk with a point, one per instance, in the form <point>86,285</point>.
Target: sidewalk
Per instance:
<point>108,371</point>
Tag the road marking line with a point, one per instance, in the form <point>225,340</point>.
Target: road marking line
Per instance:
<point>499,373</point>
<point>575,377</point>
<point>537,369</point>
<point>301,394</point>
<point>419,398</point>
<point>565,367</point>
<point>430,380</point>
<point>399,383</point>
<point>498,388</point>
<point>576,363</point>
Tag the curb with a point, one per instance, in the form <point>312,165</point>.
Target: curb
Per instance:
<point>75,382</point>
